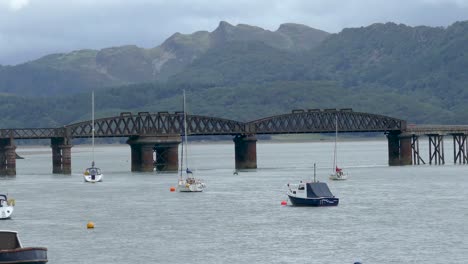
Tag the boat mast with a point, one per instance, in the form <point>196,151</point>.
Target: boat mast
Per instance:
<point>185,134</point>
<point>92,124</point>
<point>314,174</point>
<point>336,138</point>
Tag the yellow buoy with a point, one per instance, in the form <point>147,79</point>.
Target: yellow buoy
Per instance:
<point>90,225</point>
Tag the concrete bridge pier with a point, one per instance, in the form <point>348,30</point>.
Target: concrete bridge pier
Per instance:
<point>7,156</point>
<point>61,155</point>
<point>406,154</point>
<point>399,149</point>
<point>144,148</point>
<point>245,151</point>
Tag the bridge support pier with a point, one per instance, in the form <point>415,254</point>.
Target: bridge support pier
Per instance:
<point>436,149</point>
<point>415,146</point>
<point>460,147</point>
<point>143,149</point>
<point>61,155</point>
<point>399,150</point>
<point>245,149</point>
<point>7,156</point>
<point>405,150</point>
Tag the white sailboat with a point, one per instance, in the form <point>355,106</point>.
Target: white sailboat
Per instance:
<point>92,174</point>
<point>337,173</point>
<point>187,182</point>
<point>6,206</point>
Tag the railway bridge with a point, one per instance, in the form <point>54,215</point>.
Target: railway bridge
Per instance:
<point>154,137</point>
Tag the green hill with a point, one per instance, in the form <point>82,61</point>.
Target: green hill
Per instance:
<point>244,72</point>
<point>84,70</point>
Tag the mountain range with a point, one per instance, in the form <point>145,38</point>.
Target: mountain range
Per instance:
<point>246,72</point>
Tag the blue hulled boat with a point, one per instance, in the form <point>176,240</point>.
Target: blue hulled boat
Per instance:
<point>311,194</point>
<point>11,250</point>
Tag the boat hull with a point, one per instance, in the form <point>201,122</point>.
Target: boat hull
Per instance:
<point>338,178</point>
<point>32,255</point>
<point>321,201</point>
<point>6,212</point>
<point>92,178</point>
<point>197,187</point>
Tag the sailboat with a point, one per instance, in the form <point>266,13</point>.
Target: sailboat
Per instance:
<point>337,173</point>
<point>6,206</point>
<point>187,182</point>
<point>313,193</point>
<point>92,174</point>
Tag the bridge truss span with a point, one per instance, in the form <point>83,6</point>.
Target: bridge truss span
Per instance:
<point>324,122</point>
<point>156,124</point>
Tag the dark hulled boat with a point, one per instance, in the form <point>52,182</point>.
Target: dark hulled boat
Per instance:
<point>11,251</point>
<point>311,194</point>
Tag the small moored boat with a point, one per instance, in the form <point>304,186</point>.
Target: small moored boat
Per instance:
<point>12,252</point>
<point>92,174</point>
<point>311,194</point>
<point>187,183</point>
<point>337,174</point>
<point>6,207</point>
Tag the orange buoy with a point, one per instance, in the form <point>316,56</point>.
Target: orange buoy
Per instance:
<point>172,189</point>
<point>90,225</point>
<point>284,203</point>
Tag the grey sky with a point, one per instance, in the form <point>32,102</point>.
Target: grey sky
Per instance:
<point>30,29</point>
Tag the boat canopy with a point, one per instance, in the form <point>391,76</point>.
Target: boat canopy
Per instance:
<point>93,171</point>
<point>9,240</point>
<point>318,189</point>
<point>3,197</point>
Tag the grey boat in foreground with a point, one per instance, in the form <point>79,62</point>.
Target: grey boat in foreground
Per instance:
<point>11,250</point>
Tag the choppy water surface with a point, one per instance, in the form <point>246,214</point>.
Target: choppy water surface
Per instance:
<point>412,214</point>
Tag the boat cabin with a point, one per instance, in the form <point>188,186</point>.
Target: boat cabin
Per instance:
<point>92,171</point>
<point>3,200</point>
<point>9,240</point>
<point>310,190</point>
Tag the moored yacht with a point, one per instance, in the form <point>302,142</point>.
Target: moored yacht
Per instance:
<point>187,182</point>
<point>312,193</point>
<point>6,207</point>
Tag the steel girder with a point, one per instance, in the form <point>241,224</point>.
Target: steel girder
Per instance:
<point>324,122</point>
<point>156,124</point>
<point>32,133</point>
<point>169,124</point>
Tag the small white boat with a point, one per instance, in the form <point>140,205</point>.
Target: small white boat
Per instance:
<point>190,184</point>
<point>6,206</point>
<point>92,174</point>
<point>187,183</point>
<point>337,174</point>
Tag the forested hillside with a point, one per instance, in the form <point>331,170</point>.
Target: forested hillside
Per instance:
<point>244,72</point>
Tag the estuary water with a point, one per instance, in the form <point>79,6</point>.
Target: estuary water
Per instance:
<point>410,214</point>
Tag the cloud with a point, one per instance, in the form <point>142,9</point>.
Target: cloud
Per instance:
<point>33,28</point>
<point>14,5</point>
